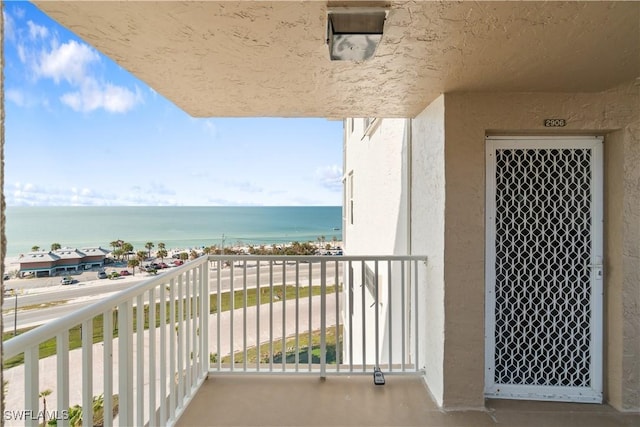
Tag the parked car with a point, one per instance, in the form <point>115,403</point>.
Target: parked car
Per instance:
<point>66,281</point>
<point>5,276</point>
<point>102,275</point>
<point>125,273</point>
<point>178,262</point>
<point>113,275</point>
<point>162,265</point>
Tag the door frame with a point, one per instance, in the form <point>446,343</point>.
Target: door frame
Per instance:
<point>592,394</point>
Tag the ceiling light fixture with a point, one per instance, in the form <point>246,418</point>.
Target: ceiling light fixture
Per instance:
<point>353,33</point>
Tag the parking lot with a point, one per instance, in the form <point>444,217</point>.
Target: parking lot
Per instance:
<point>86,277</point>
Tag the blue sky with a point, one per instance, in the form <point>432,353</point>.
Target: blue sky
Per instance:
<point>80,130</point>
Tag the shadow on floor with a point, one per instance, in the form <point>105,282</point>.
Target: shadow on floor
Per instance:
<point>281,400</point>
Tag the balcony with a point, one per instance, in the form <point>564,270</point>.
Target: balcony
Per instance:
<point>219,316</point>
<point>253,340</point>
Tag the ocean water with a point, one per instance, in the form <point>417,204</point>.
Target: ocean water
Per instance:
<point>177,227</point>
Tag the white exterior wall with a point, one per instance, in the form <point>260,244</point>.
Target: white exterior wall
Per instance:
<point>376,161</point>
<point>380,205</point>
<point>399,156</point>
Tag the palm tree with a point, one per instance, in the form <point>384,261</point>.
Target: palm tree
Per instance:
<point>184,256</point>
<point>43,394</point>
<point>161,245</point>
<point>133,263</point>
<point>127,247</point>
<point>161,253</point>
<point>117,253</point>
<point>55,246</point>
<point>141,256</point>
<point>115,244</point>
<point>149,245</point>
<point>193,254</point>
<point>35,248</point>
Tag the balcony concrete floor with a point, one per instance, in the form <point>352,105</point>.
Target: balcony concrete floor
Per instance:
<point>354,401</point>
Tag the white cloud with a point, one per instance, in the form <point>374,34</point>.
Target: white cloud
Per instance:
<point>19,12</point>
<point>16,96</point>
<point>93,95</point>
<point>69,61</point>
<point>37,31</point>
<point>22,53</point>
<point>9,26</point>
<point>36,195</point>
<point>330,177</point>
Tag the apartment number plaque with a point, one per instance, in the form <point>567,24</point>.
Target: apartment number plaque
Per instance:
<point>555,123</point>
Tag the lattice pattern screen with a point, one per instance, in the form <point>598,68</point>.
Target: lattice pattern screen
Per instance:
<point>543,248</point>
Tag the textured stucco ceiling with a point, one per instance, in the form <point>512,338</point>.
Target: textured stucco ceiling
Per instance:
<point>263,58</point>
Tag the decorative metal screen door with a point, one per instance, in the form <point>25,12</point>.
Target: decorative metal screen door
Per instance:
<point>544,269</point>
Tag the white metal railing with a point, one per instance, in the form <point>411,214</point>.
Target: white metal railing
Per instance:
<point>155,370</point>
<point>342,315</point>
<point>323,315</point>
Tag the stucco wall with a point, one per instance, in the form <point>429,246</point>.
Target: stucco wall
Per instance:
<point>427,234</point>
<point>469,117</point>
<point>622,245</point>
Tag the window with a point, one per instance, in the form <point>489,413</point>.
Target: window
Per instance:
<point>370,125</point>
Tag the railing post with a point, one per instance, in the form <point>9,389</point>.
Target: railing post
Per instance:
<point>162,419</point>
<point>323,319</point>
<point>181,341</point>
<point>125,364</point>
<point>31,383</point>
<point>188,343</point>
<point>139,360</point>
<point>403,320</point>
<point>204,318</point>
<point>376,301</point>
<point>244,316</point>
<point>87,372</point>
<point>62,374</point>
<point>351,296</point>
<point>232,307</point>
<point>152,358</point>
<point>416,304</point>
<point>218,309</point>
<point>337,314</point>
<point>107,366</point>
<point>390,315</point>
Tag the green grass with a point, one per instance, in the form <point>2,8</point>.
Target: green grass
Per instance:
<point>306,348</point>
<point>48,348</point>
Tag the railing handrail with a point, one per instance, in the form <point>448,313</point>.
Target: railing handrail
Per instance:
<point>317,258</point>
<point>19,344</point>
